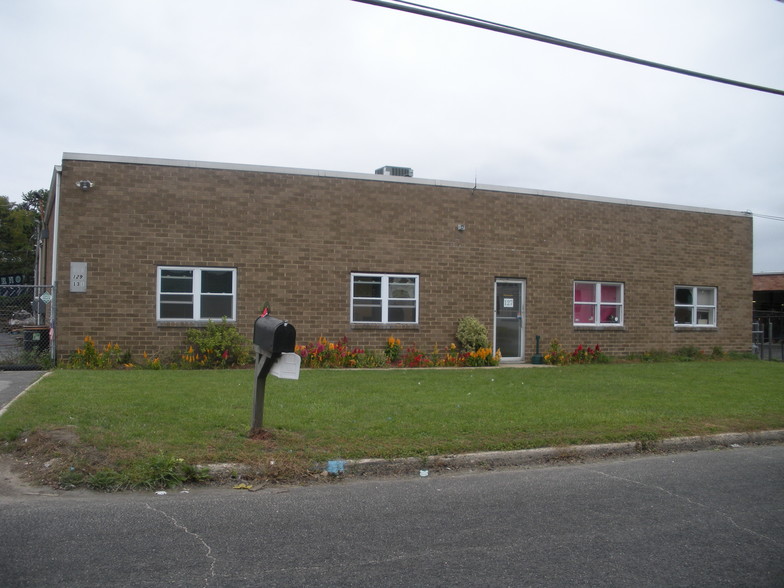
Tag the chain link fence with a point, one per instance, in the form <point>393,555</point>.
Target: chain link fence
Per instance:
<point>24,327</point>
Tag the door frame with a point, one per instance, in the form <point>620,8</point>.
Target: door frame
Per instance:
<point>522,283</point>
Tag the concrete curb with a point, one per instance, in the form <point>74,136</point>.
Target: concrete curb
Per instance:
<point>553,455</point>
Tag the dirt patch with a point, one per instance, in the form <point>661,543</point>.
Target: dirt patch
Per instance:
<point>58,459</point>
<point>10,482</point>
<point>261,435</point>
<point>49,458</point>
<point>48,446</point>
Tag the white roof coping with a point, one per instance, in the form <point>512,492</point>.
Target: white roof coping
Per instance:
<point>385,178</point>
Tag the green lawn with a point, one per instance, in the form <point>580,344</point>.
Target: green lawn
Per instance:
<point>204,416</point>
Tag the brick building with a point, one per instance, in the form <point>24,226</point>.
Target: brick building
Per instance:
<point>769,293</point>
<point>769,306</point>
<point>142,249</point>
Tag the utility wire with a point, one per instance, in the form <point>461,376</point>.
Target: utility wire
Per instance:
<point>767,216</point>
<point>516,32</point>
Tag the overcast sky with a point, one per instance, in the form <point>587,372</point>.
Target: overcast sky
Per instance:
<point>340,85</point>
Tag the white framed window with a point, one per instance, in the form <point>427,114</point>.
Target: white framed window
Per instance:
<point>598,304</point>
<point>196,293</point>
<point>384,298</point>
<point>695,306</point>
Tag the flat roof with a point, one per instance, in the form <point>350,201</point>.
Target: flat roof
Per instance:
<point>384,178</point>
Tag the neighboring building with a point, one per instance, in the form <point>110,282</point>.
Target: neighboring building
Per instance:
<point>769,293</point>
<point>143,249</point>
<point>769,304</point>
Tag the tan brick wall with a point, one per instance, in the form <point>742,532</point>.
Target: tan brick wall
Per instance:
<point>295,239</point>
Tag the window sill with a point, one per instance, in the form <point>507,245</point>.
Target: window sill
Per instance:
<point>599,327</point>
<point>191,324</point>
<point>384,326</point>
<point>696,328</point>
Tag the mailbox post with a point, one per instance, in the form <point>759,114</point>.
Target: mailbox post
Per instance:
<point>271,339</point>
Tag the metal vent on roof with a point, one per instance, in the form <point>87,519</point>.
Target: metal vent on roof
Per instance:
<point>391,170</point>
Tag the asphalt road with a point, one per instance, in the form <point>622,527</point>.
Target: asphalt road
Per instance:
<point>13,383</point>
<point>707,518</point>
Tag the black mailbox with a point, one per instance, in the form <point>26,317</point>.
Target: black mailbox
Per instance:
<point>274,335</point>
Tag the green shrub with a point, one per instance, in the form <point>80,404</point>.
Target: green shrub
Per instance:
<point>689,353</point>
<point>218,345</point>
<point>652,356</point>
<point>371,359</point>
<point>471,334</point>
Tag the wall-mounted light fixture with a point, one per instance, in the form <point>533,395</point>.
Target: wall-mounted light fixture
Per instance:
<point>84,184</point>
<point>461,228</point>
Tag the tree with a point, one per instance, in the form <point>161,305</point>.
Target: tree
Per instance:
<point>35,201</point>
<point>18,224</point>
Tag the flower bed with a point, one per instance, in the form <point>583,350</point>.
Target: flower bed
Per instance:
<point>558,356</point>
<point>325,354</point>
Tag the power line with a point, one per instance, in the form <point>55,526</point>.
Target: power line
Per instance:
<point>767,216</point>
<point>516,32</point>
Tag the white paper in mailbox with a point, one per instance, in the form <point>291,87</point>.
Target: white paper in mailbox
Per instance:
<point>287,366</point>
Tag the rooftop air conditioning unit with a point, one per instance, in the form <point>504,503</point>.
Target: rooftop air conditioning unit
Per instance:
<point>391,170</point>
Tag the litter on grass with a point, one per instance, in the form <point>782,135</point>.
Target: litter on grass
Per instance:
<point>336,466</point>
